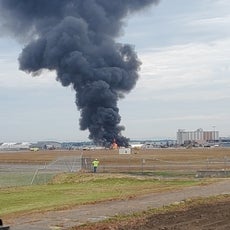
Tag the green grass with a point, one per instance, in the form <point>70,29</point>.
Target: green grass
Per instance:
<point>166,174</point>
<point>10,179</point>
<point>69,190</point>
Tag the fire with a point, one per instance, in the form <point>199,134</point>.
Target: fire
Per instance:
<point>114,145</point>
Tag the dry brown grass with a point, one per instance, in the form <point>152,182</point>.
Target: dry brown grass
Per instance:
<point>177,155</point>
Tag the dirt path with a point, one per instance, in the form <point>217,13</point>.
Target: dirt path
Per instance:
<point>93,213</point>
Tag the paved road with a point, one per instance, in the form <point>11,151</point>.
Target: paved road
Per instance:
<point>95,212</point>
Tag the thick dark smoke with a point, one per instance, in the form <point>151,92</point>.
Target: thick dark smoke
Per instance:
<point>76,38</point>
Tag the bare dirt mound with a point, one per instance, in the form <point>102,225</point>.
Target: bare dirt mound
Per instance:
<point>213,215</point>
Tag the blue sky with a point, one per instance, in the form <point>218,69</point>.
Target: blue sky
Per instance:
<point>184,80</point>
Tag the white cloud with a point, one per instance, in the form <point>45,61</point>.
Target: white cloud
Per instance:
<point>197,67</point>
<point>213,21</point>
<point>12,77</point>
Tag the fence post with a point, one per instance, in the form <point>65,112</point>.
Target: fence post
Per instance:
<point>143,162</point>
<point>35,174</point>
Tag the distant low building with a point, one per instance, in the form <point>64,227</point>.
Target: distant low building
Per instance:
<point>198,136</point>
<point>225,141</point>
<point>11,146</point>
<point>48,145</point>
<point>152,144</point>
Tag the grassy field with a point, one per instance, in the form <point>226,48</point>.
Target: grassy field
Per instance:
<point>67,190</point>
<point>155,160</point>
<point>13,179</point>
<point>177,155</point>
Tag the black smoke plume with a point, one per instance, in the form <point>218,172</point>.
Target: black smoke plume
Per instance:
<point>76,38</point>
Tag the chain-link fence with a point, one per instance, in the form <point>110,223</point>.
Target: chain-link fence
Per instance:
<point>154,164</point>
<point>19,174</point>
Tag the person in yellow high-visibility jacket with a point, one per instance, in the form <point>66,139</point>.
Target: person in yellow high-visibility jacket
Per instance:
<point>95,164</point>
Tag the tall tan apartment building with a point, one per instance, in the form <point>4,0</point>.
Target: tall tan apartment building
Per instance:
<point>199,136</point>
